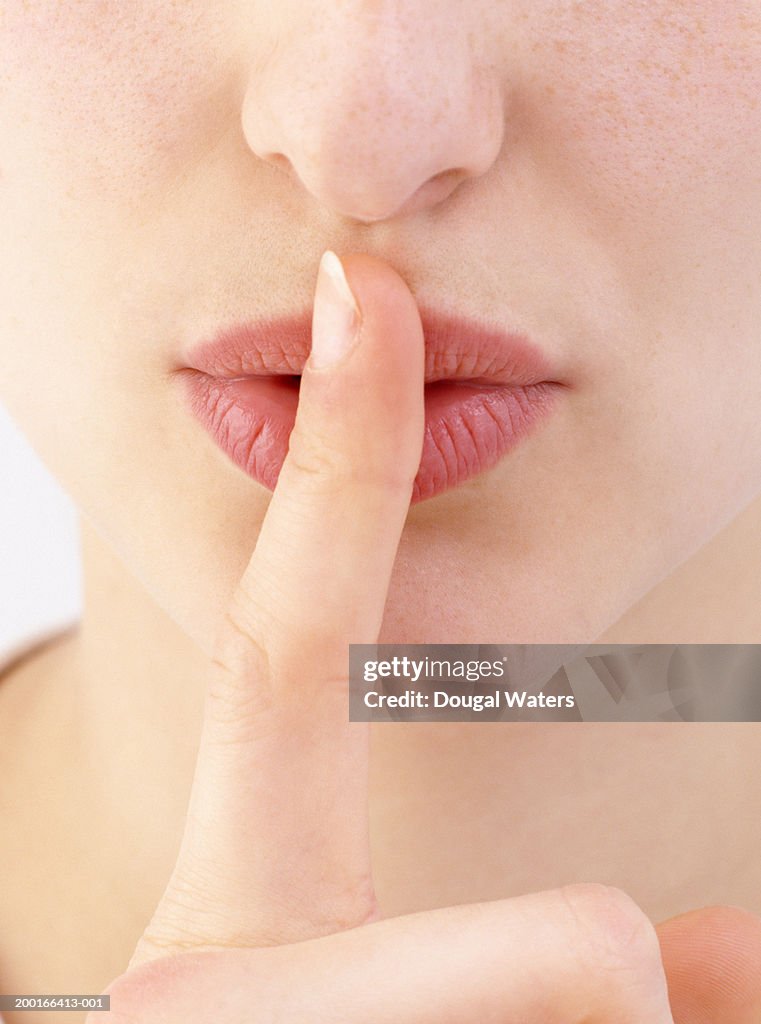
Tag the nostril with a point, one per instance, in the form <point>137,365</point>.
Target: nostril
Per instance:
<point>280,161</point>
<point>435,190</point>
<point>456,174</point>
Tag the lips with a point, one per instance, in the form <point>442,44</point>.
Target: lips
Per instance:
<point>485,391</point>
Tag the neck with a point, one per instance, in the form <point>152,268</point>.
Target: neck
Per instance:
<point>712,598</point>
<point>139,684</point>
<point>140,679</point>
<point>104,729</point>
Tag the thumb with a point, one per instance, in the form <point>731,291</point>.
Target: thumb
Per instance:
<point>712,959</point>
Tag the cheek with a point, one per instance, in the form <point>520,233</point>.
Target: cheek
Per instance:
<point>646,124</point>
<point>663,98</point>
<point>103,109</point>
<point>108,101</point>
<point>653,125</point>
<point>101,106</point>
<point>658,136</point>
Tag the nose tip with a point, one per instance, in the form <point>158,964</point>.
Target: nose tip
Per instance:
<point>430,194</point>
<point>395,127</point>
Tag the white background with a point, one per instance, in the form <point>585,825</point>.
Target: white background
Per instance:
<point>40,582</point>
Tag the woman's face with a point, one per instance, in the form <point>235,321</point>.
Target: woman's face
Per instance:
<point>589,171</point>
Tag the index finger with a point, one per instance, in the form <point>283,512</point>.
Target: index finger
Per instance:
<point>276,841</point>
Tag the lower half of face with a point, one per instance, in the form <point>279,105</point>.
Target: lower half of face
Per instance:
<point>630,473</point>
<point>622,222</point>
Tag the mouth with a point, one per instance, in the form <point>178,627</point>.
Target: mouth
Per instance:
<point>485,391</point>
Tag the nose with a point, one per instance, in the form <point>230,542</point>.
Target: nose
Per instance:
<point>379,109</point>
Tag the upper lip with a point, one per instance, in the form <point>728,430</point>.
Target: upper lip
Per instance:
<point>456,348</point>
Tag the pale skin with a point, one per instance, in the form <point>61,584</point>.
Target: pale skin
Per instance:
<point>142,203</point>
<point>267,862</point>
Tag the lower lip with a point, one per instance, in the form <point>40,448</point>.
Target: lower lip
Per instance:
<point>469,426</point>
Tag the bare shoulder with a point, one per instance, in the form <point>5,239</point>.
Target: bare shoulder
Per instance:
<point>25,676</point>
<point>27,653</point>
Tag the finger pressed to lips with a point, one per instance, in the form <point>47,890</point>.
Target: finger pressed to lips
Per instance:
<point>487,389</point>
<point>276,844</point>
<point>274,869</point>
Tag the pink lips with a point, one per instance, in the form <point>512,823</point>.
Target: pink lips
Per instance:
<point>485,390</point>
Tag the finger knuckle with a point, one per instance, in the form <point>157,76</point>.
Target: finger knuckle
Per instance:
<point>156,992</point>
<point>239,649</point>
<point>239,687</point>
<point>127,998</point>
<point>321,466</point>
<point>317,463</point>
<point>613,934</point>
<point>195,913</point>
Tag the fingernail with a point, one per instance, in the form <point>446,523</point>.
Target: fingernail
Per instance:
<point>336,316</point>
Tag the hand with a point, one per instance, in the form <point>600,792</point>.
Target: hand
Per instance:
<point>270,912</point>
